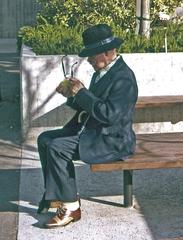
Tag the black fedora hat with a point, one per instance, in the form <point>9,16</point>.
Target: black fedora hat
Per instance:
<point>98,39</point>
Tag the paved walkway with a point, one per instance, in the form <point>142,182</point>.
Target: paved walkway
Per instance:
<point>158,194</point>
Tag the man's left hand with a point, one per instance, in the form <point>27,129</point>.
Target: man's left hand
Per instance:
<point>76,86</point>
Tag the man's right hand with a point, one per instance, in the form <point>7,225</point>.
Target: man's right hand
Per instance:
<point>64,88</point>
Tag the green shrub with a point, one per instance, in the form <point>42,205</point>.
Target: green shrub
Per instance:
<point>165,6</point>
<point>88,12</point>
<point>57,30</point>
<point>58,39</point>
<point>156,43</point>
<point>51,39</point>
<point>174,34</point>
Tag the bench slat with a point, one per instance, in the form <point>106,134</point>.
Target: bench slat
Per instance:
<point>159,101</point>
<point>162,150</point>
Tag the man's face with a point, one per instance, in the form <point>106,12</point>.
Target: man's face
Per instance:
<point>98,61</point>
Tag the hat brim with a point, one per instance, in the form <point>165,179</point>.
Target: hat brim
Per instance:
<point>88,52</point>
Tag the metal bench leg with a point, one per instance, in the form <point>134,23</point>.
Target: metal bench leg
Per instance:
<point>128,188</point>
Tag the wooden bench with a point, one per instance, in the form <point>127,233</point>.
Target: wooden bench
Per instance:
<point>153,151</point>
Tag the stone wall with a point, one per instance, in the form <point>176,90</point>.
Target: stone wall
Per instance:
<point>41,106</point>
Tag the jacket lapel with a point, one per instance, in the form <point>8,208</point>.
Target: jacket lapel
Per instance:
<point>92,82</point>
<point>101,85</point>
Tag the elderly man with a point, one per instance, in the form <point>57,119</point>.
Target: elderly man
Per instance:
<point>100,131</point>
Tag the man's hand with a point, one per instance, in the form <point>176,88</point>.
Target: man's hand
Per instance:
<point>64,88</point>
<point>69,87</point>
<point>76,86</point>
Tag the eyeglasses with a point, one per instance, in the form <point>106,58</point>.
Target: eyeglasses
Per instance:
<point>63,67</point>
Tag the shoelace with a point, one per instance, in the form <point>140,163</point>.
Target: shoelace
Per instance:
<point>61,211</point>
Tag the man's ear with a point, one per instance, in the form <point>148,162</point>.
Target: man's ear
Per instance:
<point>107,53</point>
<point>110,52</point>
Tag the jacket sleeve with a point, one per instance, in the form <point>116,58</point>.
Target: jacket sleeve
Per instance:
<point>122,96</point>
<point>72,103</point>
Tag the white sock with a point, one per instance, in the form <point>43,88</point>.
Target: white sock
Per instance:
<point>71,206</point>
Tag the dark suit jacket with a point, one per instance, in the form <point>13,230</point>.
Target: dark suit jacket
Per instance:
<point>108,135</point>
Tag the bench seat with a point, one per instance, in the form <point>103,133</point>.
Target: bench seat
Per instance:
<point>153,151</point>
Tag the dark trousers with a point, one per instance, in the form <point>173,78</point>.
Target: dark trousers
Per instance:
<point>57,149</point>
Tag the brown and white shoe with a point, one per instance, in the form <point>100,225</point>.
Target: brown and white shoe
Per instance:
<point>45,205</point>
<point>63,217</point>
